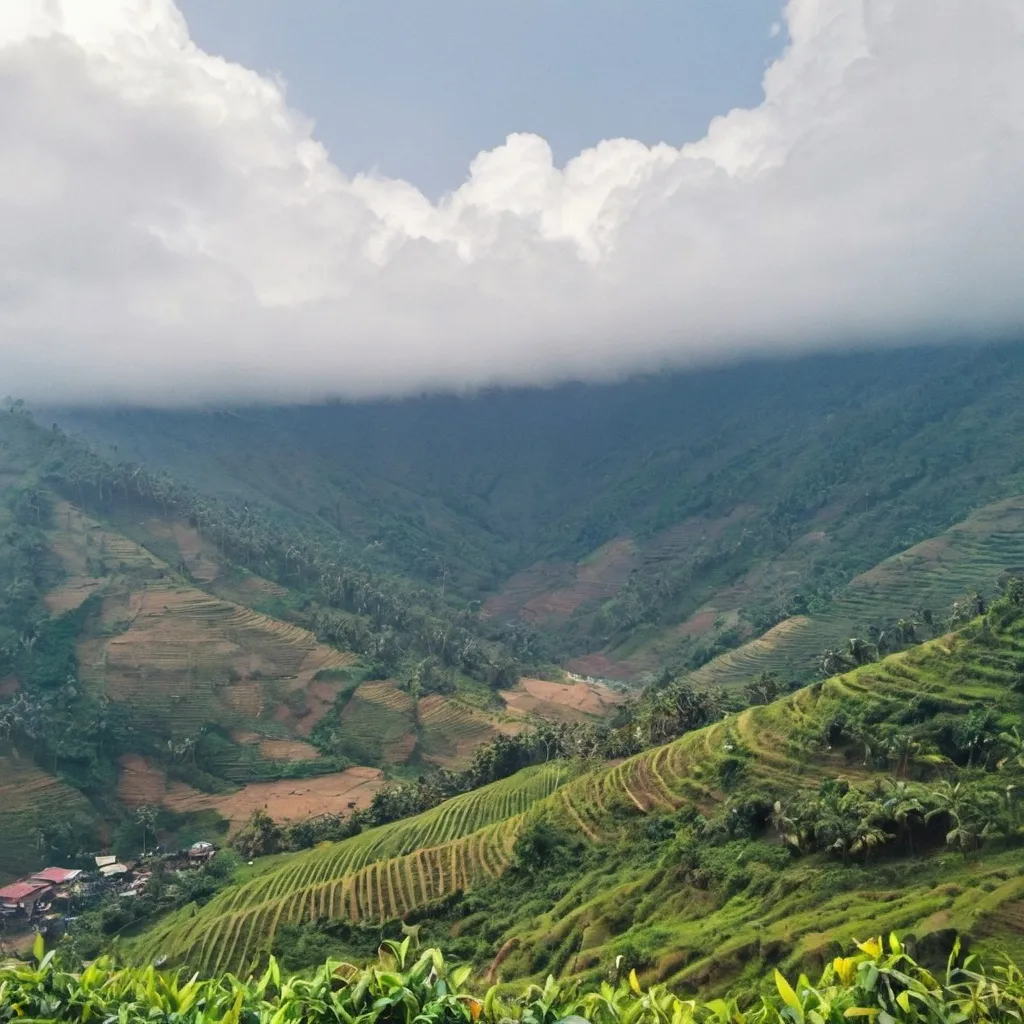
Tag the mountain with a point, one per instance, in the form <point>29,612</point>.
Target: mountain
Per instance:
<point>624,527</point>
<point>366,620</point>
<point>144,669</point>
<point>881,798</point>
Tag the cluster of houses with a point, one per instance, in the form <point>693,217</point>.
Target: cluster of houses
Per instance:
<point>54,892</point>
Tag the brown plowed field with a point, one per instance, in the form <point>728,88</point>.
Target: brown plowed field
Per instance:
<point>697,624</point>
<point>288,750</point>
<point>561,702</point>
<point>71,594</point>
<point>523,587</point>
<point>286,800</point>
<point>598,577</point>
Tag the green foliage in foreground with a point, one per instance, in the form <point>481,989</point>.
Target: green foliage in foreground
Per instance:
<point>880,983</point>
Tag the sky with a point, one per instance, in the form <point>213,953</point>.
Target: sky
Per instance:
<point>390,198</point>
<point>415,90</point>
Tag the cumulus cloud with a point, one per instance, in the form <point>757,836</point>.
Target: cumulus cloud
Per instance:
<point>172,231</point>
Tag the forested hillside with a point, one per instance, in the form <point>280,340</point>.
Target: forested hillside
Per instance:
<point>170,663</point>
<point>623,527</point>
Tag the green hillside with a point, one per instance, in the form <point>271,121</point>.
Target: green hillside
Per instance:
<point>382,873</point>
<point>926,579</point>
<point>146,663</point>
<point>670,857</point>
<point>622,527</point>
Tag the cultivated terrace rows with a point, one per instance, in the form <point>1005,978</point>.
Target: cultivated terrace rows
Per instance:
<point>388,871</point>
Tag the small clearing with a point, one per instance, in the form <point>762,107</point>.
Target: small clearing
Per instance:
<point>71,594</point>
<point>286,800</point>
<point>560,702</point>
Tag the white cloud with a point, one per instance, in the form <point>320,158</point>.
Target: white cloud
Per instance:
<point>172,231</point>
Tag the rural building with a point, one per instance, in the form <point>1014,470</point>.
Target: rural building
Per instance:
<point>114,869</point>
<point>24,896</point>
<point>57,876</point>
<point>201,851</point>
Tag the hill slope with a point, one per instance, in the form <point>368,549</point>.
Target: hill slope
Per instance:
<point>671,853</point>
<point>604,516</point>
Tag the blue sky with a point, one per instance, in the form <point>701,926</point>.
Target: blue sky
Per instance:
<point>417,89</point>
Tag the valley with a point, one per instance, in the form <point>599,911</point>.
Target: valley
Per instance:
<point>543,742</point>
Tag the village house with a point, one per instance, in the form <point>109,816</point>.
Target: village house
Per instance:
<point>57,876</point>
<point>24,896</point>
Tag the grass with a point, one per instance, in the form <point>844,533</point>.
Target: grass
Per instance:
<point>382,873</point>
<point>622,890</point>
<point>972,555</point>
<point>31,799</point>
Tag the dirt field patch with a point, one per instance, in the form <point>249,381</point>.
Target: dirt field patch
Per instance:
<point>590,698</point>
<point>287,800</point>
<point>275,749</point>
<point>72,593</point>
<point>697,624</point>
<point>559,702</point>
<point>195,554</point>
<point>141,782</point>
<point>524,587</point>
<point>288,750</point>
<point>598,665</point>
<point>597,577</point>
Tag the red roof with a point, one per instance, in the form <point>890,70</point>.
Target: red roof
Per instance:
<point>56,876</point>
<point>22,891</point>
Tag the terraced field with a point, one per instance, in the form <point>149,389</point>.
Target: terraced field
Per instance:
<point>186,658</point>
<point>970,556</point>
<point>776,736</point>
<point>31,800</point>
<point>451,730</point>
<point>389,871</point>
<point>379,724</point>
<point>379,874</point>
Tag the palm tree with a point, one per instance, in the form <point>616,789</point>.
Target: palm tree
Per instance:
<point>869,833</point>
<point>969,811</point>
<point>907,630</point>
<point>860,651</point>
<point>901,747</point>
<point>832,662</point>
<point>786,826</point>
<point>903,805</point>
<point>1013,742</point>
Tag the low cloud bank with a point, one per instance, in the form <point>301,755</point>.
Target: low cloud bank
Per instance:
<point>173,232</point>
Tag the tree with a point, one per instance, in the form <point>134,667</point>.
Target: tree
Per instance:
<point>765,689</point>
<point>900,748</point>
<point>968,812</point>
<point>859,651</point>
<point>903,804</point>
<point>1013,591</point>
<point>145,817</point>
<point>260,836</point>
<point>1013,743</point>
<point>833,661</point>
